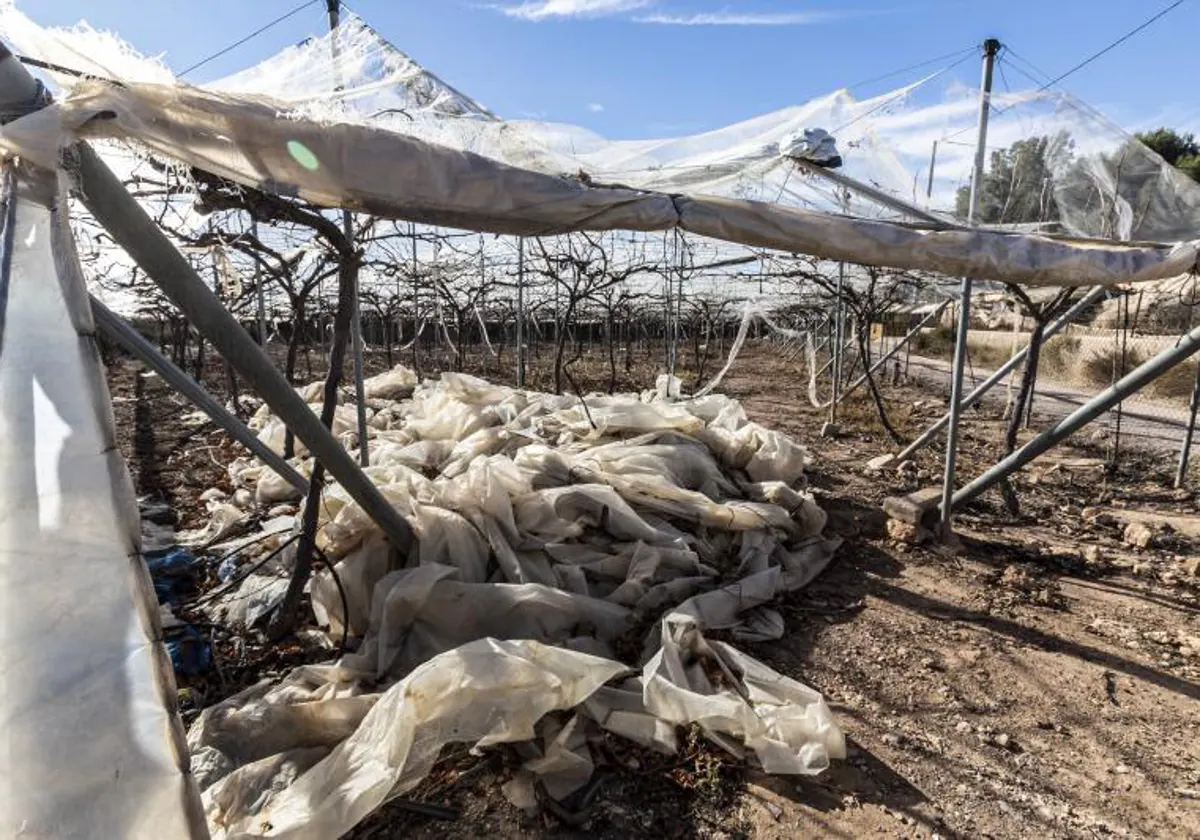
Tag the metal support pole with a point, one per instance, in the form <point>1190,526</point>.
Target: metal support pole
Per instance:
<point>990,48</point>
<point>358,350</point>
<point>682,255</point>
<point>131,228</point>
<point>356,335</point>
<point>1091,298</point>
<point>1119,370</point>
<point>839,352</point>
<point>219,290</point>
<point>521,312</point>
<point>259,293</point>
<point>903,342</point>
<point>850,185</point>
<point>113,326</point>
<point>672,334</point>
<point>416,301</point>
<point>1188,346</point>
<point>1186,452</point>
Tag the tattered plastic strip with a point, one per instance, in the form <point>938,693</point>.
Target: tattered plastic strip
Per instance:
<point>371,170</point>
<point>90,742</point>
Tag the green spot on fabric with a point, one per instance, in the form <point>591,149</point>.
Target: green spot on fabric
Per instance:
<point>303,155</point>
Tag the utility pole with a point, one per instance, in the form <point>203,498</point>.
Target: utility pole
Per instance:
<point>991,47</point>
<point>356,337</point>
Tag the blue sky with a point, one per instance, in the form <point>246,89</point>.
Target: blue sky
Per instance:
<point>638,68</point>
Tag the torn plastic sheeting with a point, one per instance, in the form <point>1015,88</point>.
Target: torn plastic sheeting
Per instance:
<point>595,533</point>
<point>256,597</point>
<point>90,742</point>
<point>562,513</point>
<point>358,573</point>
<point>621,710</point>
<point>418,613</point>
<point>566,763</point>
<point>670,457</point>
<point>394,384</point>
<point>738,700</point>
<point>487,692</point>
<point>224,520</point>
<point>387,174</point>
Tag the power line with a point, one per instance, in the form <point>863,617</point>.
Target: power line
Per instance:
<point>1033,68</point>
<point>249,37</point>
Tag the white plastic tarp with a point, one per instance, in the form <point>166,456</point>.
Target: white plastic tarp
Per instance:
<point>90,744</point>
<point>545,545</point>
<point>249,141</point>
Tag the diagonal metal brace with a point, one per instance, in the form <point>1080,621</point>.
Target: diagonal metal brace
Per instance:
<point>115,327</point>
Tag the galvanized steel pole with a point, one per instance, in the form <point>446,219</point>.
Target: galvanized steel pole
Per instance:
<point>990,48</point>
<point>259,293</point>
<point>932,165</point>
<point>356,335</point>
<point>521,312</point>
<point>1185,453</point>
<point>119,331</point>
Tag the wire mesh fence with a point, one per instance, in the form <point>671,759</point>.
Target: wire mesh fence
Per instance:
<point>1075,364</point>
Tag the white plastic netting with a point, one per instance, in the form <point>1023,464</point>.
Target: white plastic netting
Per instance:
<point>1055,162</point>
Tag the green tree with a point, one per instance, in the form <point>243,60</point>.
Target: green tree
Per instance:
<point>1180,150</point>
<point>1018,184</point>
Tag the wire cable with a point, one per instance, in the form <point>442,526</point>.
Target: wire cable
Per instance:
<point>1071,102</point>
<point>1113,45</point>
<point>249,37</point>
<point>240,579</point>
<point>903,93</point>
<point>1075,69</point>
<point>51,67</point>
<point>911,67</point>
<point>337,580</point>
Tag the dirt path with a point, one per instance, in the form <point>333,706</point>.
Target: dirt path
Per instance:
<point>1151,423</point>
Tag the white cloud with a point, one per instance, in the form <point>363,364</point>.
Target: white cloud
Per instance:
<point>595,107</point>
<point>742,18</point>
<point>537,10</point>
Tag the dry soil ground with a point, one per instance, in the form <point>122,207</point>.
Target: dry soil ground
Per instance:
<point>1044,681</point>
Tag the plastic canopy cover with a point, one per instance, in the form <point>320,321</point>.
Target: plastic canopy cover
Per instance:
<point>90,745</point>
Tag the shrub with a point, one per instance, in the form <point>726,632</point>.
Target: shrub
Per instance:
<point>937,342</point>
<point>1059,354</point>
<point>1098,367</point>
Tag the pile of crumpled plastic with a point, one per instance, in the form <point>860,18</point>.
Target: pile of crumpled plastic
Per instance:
<point>551,532</point>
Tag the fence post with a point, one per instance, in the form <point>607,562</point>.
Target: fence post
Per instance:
<point>1185,453</point>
